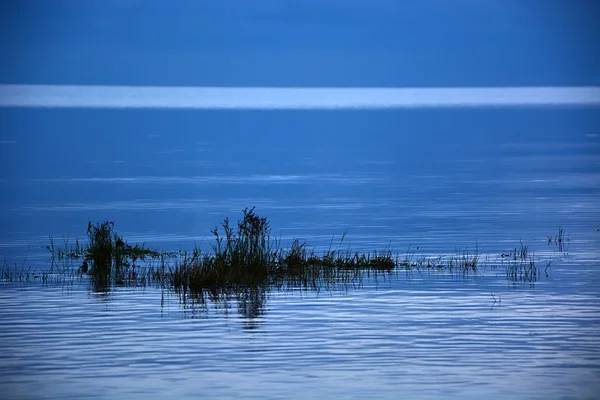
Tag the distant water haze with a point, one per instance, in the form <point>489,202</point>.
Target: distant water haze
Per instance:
<point>274,98</point>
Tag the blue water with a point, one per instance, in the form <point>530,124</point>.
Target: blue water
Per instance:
<point>172,175</point>
<point>438,180</point>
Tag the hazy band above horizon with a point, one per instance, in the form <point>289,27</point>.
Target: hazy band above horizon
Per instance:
<point>274,98</point>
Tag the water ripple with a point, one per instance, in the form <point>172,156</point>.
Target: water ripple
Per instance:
<point>426,340</point>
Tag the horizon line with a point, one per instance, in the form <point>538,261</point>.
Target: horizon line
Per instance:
<point>292,98</point>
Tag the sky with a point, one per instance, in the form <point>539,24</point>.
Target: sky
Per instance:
<point>309,43</point>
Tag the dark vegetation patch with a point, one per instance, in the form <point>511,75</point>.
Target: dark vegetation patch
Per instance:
<point>245,256</point>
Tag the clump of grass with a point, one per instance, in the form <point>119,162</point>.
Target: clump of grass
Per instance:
<point>26,274</point>
<point>240,256</point>
<point>462,261</point>
<point>104,251</point>
<point>66,252</point>
<point>520,265</point>
<point>244,255</point>
<point>104,246</point>
<point>299,256</point>
<point>106,257</point>
<point>16,273</point>
<point>559,239</point>
<point>524,270</point>
<point>468,261</point>
<point>248,247</point>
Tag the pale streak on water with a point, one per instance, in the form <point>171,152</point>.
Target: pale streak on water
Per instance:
<point>420,336</point>
<point>281,98</point>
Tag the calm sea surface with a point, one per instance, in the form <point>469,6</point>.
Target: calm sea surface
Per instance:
<point>429,182</point>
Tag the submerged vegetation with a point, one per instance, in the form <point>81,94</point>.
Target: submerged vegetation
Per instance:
<point>244,258</point>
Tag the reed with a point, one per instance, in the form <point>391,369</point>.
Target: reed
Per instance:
<point>520,265</point>
<point>560,239</point>
<point>245,255</point>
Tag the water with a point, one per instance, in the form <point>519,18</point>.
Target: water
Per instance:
<point>438,180</point>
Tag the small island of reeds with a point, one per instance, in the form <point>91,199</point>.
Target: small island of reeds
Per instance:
<point>245,255</point>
